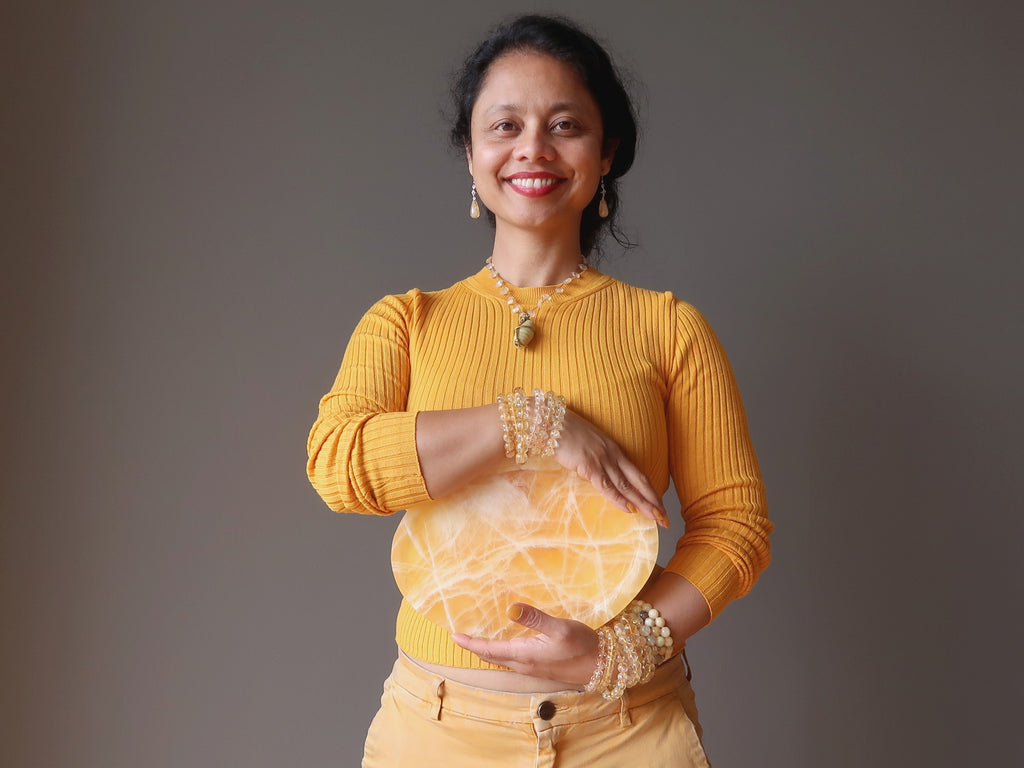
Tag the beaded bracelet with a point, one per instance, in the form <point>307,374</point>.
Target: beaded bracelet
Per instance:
<point>654,628</point>
<point>521,424</point>
<point>554,420</point>
<point>539,424</point>
<point>507,429</point>
<point>628,650</point>
<point>600,680</point>
<point>531,429</point>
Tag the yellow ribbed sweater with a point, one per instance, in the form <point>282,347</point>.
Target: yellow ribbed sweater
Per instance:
<point>643,366</point>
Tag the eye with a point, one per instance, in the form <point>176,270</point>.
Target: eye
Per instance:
<point>565,126</point>
<point>504,126</point>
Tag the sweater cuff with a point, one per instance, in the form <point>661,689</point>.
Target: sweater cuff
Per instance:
<point>390,461</point>
<point>710,571</point>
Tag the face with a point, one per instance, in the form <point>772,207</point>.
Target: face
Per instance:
<point>537,152</point>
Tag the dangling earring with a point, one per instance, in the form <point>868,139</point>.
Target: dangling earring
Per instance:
<point>602,207</point>
<point>474,206</point>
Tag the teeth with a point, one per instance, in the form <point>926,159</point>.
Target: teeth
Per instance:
<point>533,183</point>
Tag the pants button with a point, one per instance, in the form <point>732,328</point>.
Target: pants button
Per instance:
<point>546,710</point>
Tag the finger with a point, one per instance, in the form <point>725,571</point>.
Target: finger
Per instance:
<point>609,489</point>
<point>637,488</point>
<point>646,498</point>
<point>631,498</point>
<point>494,651</point>
<point>632,479</point>
<point>624,487</point>
<point>533,618</point>
<point>623,495</point>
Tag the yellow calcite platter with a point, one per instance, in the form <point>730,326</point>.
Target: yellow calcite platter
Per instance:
<point>536,534</point>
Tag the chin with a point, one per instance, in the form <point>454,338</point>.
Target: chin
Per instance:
<point>538,217</point>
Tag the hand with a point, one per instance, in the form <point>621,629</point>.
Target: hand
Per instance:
<point>562,650</point>
<point>595,457</point>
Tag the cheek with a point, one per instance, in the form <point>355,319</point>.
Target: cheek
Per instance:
<point>487,161</point>
<point>588,156</point>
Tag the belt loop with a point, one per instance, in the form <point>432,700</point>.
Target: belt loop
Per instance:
<point>437,692</point>
<point>624,719</point>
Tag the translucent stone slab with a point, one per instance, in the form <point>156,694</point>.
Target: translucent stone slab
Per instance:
<point>536,534</point>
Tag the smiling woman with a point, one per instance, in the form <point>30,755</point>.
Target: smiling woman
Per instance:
<point>437,390</point>
<point>590,67</point>
<point>537,151</point>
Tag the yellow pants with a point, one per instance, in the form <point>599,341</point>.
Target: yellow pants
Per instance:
<point>426,721</point>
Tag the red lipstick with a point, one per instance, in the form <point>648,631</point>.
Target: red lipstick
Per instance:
<point>534,183</point>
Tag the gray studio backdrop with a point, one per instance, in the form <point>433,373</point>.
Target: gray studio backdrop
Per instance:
<point>201,198</point>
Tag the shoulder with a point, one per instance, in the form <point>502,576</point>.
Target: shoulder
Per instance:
<point>412,300</point>
<point>686,334</point>
<point>696,343</point>
<point>689,320</point>
<point>407,309</point>
<point>678,313</point>
<point>393,309</point>
<point>635,293</point>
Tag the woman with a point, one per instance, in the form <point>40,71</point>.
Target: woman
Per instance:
<point>547,129</point>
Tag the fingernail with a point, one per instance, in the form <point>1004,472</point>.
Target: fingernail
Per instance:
<point>631,508</point>
<point>514,611</point>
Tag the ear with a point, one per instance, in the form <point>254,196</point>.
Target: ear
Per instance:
<point>469,158</point>
<point>608,154</point>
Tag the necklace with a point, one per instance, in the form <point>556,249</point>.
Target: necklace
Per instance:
<point>526,329</point>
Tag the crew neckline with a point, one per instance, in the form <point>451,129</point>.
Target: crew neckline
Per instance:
<point>587,283</point>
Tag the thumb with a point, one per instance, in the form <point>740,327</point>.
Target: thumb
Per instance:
<point>528,616</point>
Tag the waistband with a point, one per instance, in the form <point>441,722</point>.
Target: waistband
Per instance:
<point>549,709</point>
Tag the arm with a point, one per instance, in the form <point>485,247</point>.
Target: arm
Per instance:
<point>362,447</point>
<point>725,546</point>
<point>567,650</point>
<point>368,454</point>
<point>716,474</point>
<point>714,469</point>
<point>457,445</point>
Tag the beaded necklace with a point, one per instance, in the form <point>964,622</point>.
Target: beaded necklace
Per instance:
<point>526,329</point>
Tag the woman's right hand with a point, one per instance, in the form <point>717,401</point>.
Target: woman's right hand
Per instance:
<point>594,456</point>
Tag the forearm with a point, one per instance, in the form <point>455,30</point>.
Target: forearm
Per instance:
<point>364,462</point>
<point>458,445</point>
<point>680,603</point>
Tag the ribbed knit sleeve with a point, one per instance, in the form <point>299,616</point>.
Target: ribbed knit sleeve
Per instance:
<point>714,468</point>
<point>362,448</point>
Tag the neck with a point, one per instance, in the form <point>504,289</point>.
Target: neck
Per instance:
<point>527,259</point>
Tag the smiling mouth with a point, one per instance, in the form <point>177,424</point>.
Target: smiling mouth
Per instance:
<point>535,186</point>
<point>533,183</point>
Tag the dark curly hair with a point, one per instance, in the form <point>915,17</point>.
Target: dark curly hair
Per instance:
<point>563,40</point>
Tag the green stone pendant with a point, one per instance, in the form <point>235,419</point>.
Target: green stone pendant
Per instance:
<point>524,332</point>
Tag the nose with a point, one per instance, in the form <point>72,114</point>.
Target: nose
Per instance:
<point>534,144</point>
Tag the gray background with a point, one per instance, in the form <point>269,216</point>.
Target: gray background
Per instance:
<point>201,198</point>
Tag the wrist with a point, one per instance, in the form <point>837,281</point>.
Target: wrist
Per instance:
<point>630,647</point>
<point>531,425</point>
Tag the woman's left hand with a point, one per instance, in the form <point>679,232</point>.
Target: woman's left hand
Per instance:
<point>562,649</point>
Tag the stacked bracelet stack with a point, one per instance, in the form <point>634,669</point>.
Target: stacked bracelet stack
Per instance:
<point>654,628</point>
<point>629,650</point>
<point>531,428</point>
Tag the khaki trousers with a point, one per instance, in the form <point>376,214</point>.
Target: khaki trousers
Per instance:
<point>426,721</point>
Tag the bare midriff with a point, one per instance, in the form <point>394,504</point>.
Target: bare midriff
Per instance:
<point>494,679</point>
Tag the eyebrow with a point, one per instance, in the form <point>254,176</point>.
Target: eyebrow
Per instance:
<point>559,107</point>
